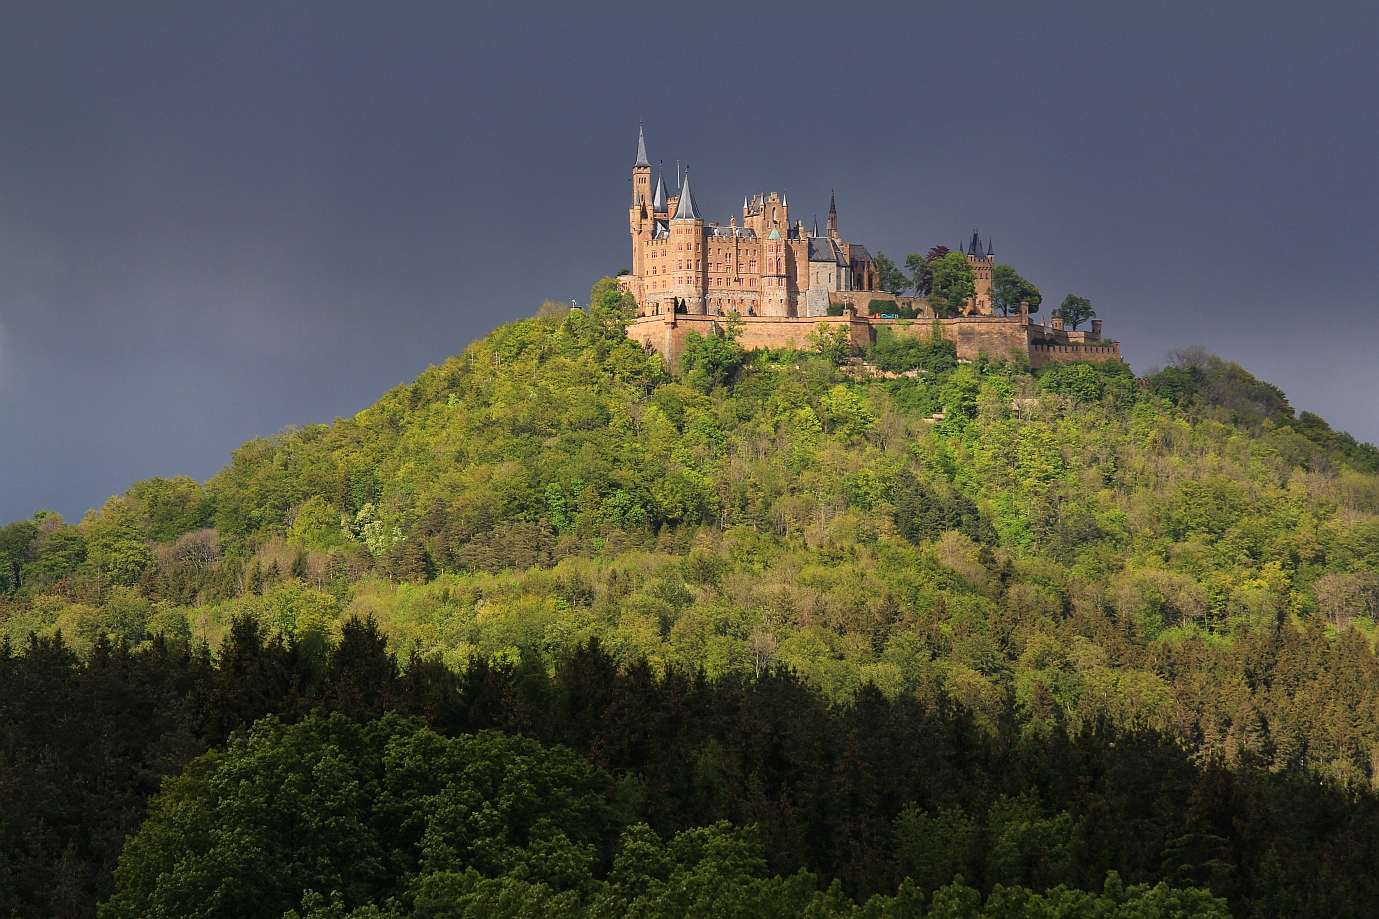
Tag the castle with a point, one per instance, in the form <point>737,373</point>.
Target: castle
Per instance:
<point>782,280</point>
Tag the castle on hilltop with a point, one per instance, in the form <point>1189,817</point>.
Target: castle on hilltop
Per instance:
<point>782,280</point>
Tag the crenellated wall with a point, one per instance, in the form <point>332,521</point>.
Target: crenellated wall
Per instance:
<point>1040,354</point>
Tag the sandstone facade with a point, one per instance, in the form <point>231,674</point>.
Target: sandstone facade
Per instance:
<point>783,280</point>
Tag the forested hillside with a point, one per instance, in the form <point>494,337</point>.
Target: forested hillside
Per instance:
<point>1133,608</point>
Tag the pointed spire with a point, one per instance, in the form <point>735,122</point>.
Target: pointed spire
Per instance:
<point>976,247</point>
<point>744,202</point>
<point>782,200</point>
<point>687,209</point>
<point>832,207</point>
<point>659,198</point>
<point>990,248</point>
<point>642,161</point>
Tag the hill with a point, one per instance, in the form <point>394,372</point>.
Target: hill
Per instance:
<point>1076,539</point>
<point>1077,553</point>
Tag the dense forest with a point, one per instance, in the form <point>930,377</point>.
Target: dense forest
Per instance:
<point>776,633</point>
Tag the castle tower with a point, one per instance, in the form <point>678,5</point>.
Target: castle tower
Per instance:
<point>832,217</point>
<point>641,170</point>
<point>982,262</point>
<point>775,288</point>
<point>764,213</point>
<point>639,221</point>
<point>687,243</point>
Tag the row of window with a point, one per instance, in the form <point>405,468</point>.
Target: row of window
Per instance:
<point>684,264</point>
<point>663,284</point>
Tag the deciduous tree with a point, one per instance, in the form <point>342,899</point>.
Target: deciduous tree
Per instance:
<point>1076,310</point>
<point>1009,290</point>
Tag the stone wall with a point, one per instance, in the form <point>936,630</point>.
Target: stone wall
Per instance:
<point>667,335</point>
<point>994,336</point>
<point>1039,355</point>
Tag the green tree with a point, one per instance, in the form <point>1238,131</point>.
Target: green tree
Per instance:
<point>1009,290</point>
<point>890,278</point>
<point>1076,310</point>
<point>709,361</point>
<point>846,412</point>
<point>833,342</point>
<point>115,545</point>
<point>920,273</point>
<point>316,525</point>
<point>171,507</point>
<point>16,541</point>
<point>331,806</point>
<point>954,283</point>
<point>610,304</point>
<point>56,556</point>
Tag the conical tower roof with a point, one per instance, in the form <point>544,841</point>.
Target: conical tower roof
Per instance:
<point>641,150</point>
<point>687,209</point>
<point>659,198</point>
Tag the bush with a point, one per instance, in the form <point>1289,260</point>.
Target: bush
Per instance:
<point>896,353</point>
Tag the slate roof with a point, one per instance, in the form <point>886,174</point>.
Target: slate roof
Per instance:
<point>659,198</point>
<point>687,209</point>
<point>641,149</point>
<point>823,249</point>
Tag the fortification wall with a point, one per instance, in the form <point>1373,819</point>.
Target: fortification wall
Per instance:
<point>1039,355</point>
<point>994,336</point>
<point>667,335</point>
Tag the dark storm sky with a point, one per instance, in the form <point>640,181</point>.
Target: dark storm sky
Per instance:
<point>216,221</point>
